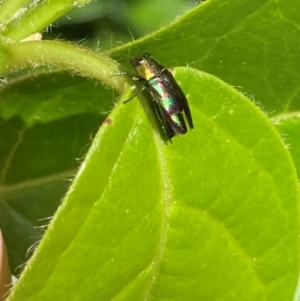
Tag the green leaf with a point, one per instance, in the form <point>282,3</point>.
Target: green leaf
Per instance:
<point>250,44</point>
<point>48,98</point>
<point>288,126</point>
<point>37,165</point>
<point>212,216</point>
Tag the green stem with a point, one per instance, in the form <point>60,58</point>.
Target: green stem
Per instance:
<point>9,7</point>
<point>17,56</point>
<point>39,17</point>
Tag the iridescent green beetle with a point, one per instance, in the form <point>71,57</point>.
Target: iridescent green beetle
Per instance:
<point>169,99</point>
